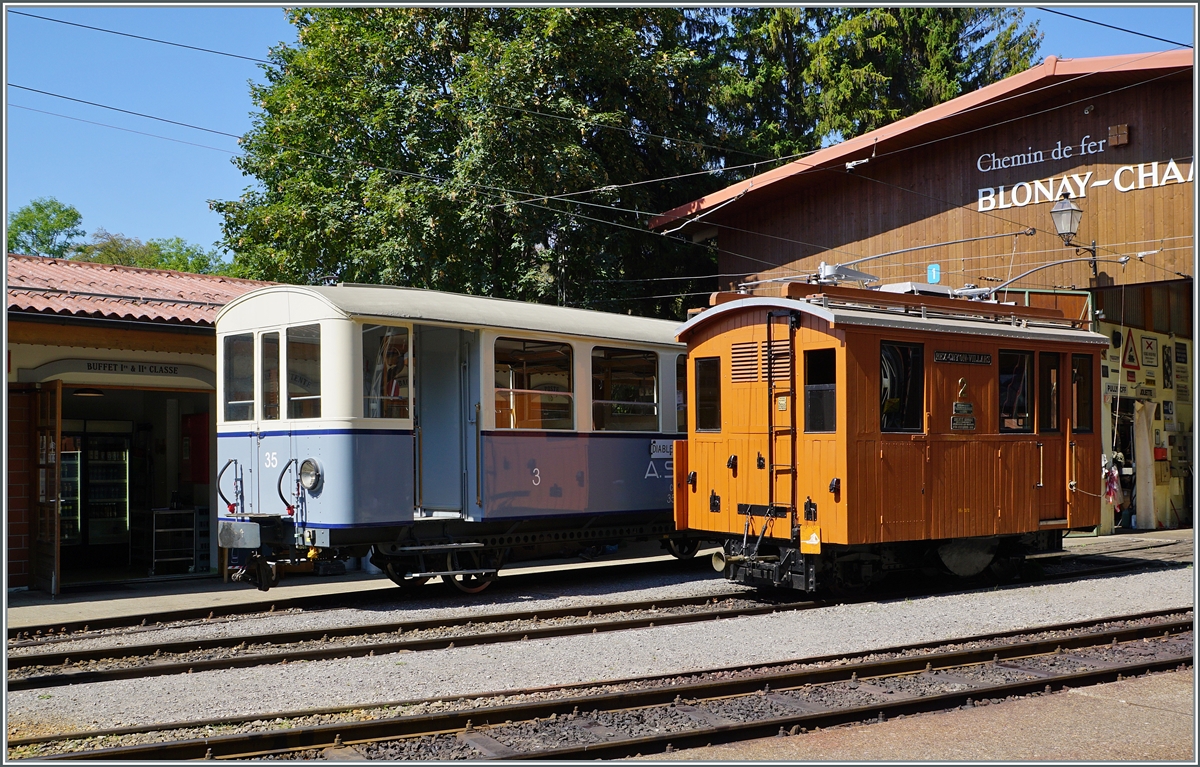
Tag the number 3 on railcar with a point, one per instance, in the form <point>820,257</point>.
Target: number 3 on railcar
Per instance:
<point>840,434</point>
<point>439,434</point>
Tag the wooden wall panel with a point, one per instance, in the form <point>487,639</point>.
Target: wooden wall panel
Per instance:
<point>929,195</point>
<point>963,496</point>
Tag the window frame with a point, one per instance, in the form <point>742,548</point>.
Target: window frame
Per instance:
<point>363,327</point>
<point>286,375</point>
<point>1091,394</point>
<point>921,398</point>
<point>681,394</point>
<point>261,379</point>
<point>226,372</point>
<point>655,404</point>
<point>715,407</point>
<point>819,388</point>
<point>1030,388</point>
<point>569,394</point>
<point>1054,407</point>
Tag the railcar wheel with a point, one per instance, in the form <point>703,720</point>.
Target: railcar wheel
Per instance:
<point>683,549</point>
<point>468,584</point>
<point>397,577</point>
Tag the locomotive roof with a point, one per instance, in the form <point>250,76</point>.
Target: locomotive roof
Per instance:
<point>929,321</point>
<point>392,302</point>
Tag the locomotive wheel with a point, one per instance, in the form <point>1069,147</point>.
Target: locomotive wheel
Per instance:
<point>683,549</point>
<point>468,584</point>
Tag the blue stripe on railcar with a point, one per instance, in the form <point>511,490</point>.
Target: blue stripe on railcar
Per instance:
<point>544,474</point>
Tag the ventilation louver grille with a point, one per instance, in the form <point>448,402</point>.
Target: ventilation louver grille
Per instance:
<point>782,363</point>
<point>745,362</point>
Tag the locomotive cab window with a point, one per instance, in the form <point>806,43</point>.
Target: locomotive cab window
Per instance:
<point>386,365</point>
<point>1081,393</point>
<point>269,376</point>
<point>708,394</point>
<point>820,390</point>
<point>681,412</point>
<point>534,386</point>
<point>624,390</point>
<point>1016,396</point>
<point>1048,391</point>
<point>901,387</point>
<point>239,377</point>
<point>304,371</point>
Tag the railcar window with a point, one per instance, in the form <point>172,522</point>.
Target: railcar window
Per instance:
<point>1048,378</point>
<point>269,376</point>
<point>681,409</point>
<point>385,372</point>
<point>820,390</point>
<point>901,387</point>
<point>304,371</point>
<point>239,377</point>
<point>1081,393</point>
<point>534,386</point>
<point>624,390</point>
<point>1015,394</point>
<point>708,394</point>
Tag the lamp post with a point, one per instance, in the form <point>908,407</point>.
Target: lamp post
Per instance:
<point>1066,215</point>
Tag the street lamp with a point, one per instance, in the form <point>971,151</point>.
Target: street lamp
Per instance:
<point>1066,216</point>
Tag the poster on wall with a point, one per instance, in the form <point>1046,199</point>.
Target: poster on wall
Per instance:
<point>1181,354</point>
<point>1182,393</point>
<point>1168,364</point>
<point>1150,351</point>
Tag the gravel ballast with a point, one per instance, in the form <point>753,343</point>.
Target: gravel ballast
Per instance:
<point>660,650</point>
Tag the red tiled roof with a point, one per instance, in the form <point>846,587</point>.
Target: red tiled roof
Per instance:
<point>923,125</point>
<point>83,289</point>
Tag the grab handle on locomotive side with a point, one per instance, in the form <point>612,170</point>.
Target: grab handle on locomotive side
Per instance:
<point>228,505</point>
<point>291,507</point>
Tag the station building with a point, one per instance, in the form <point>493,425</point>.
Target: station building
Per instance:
<point>960,196</point>
<point>111,421</point>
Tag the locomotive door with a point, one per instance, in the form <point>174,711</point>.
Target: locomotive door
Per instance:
<point>48,447</point>
<point>439,424</point>
<point>1050,491</point>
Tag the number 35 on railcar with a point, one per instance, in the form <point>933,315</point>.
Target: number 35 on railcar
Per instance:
<point>439,434</point>
<point>839,434</point>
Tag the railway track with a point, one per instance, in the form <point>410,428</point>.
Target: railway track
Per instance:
<point>376,592</point>
<point>34,670</point>
<point>1049,566</point>
<point>655,714</point>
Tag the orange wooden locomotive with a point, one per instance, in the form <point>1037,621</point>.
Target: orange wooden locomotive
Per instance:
<point>837,434</point>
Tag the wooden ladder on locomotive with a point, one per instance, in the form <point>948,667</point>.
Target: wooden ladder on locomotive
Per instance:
<point>788,391</point>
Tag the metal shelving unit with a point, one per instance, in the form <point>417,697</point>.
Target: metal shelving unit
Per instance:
<point>173,538</point>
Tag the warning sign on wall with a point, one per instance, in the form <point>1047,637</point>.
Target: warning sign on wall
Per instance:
<point>1130,358</point>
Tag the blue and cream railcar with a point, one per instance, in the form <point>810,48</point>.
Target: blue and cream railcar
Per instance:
<point>441,434</point>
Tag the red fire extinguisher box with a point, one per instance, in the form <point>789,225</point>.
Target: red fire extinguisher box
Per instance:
<point>1160,454</point>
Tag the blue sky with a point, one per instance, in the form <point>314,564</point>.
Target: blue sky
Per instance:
<point>150,188</point>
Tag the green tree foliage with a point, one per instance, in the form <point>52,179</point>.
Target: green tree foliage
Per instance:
<point>44,227</point>
<point>171,253</point>
<point>796,79</point>
<point>518,152</point>
<point>448,148</point>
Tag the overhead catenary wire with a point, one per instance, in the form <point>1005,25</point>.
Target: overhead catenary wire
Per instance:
<point>142,37</point>
<point>1111,26</point>
<point>537,196</point>
<point>127,130</point>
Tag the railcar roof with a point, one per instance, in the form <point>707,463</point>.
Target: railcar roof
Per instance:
<point>391,302</point>
<point>899,319</point>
